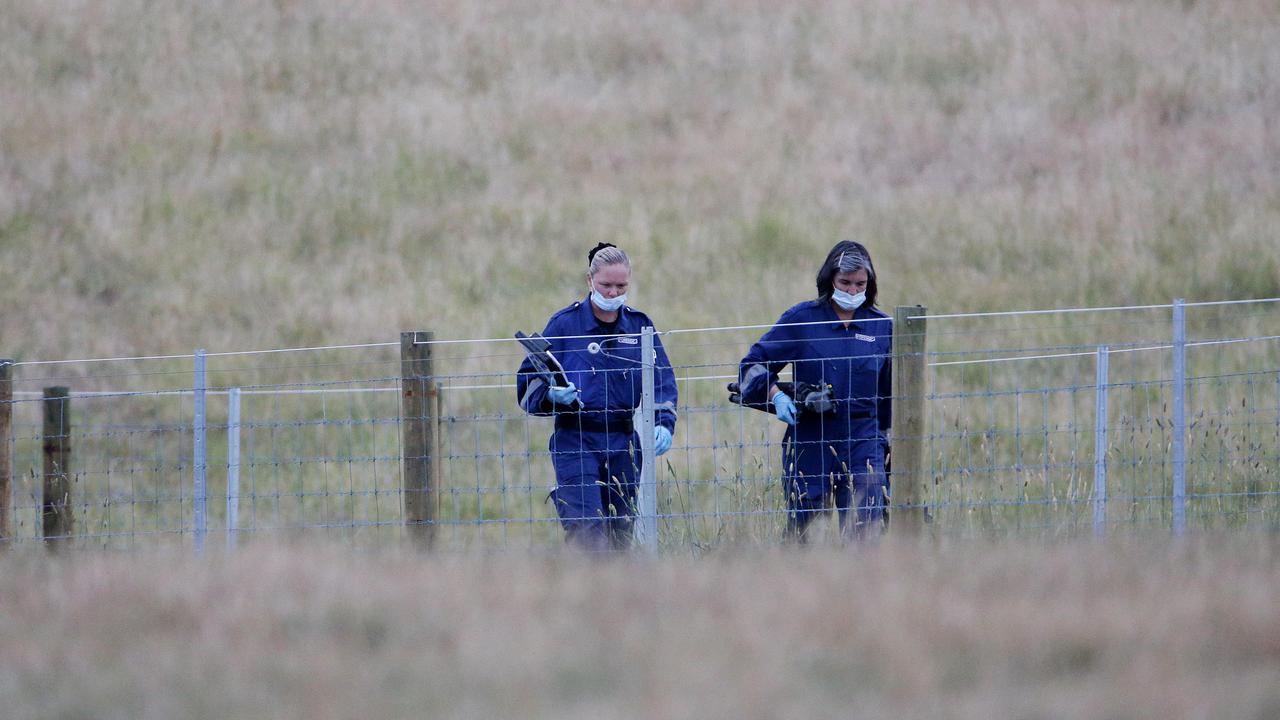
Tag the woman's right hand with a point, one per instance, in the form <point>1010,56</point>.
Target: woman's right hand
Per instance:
<point>563,395</point>
<point>784,407</point>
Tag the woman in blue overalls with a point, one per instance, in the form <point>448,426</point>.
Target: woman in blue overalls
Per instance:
<point>832,456</point>
<point>594,447</point>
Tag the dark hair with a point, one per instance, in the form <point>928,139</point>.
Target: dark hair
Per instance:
<point>591,254</point>
<point>846,256</point>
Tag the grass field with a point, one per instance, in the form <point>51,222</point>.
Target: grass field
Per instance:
<point>245,175</point>
<point>1128,629</point>
<point>254,175</point>
<point>263,174</point>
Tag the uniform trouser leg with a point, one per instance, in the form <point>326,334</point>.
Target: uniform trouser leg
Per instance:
<point>801,510</point>
<point>862,494</point>
<point>595,488</point>
<point>846,474</point>
<point>861,504</point>
<point>803,487</point>
<point>805,484</point>
<point>618,494</point>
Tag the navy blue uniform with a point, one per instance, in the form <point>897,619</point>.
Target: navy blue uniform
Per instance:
<point>595,450</point>
<point>838,454</point>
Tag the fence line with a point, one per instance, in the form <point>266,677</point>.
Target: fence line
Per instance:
<point>1066,311</point>
<point>512,386</point>
<point>1098,427</point>
<point>971,315</point>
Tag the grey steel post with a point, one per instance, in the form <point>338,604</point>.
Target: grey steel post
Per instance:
<point>1100,447</point>
<point>647,527</point>
<point>1179,416</point>
<point>199,518</point>
<point>233,466</point>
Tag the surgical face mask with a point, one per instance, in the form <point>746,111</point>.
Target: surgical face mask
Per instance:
<point>847,301</point>
<point>607,304</point>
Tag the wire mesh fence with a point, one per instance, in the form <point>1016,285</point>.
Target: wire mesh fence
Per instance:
<point>1028,436</point>
<point>1058,423</point>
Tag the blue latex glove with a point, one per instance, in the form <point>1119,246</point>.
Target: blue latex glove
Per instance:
<point>661,440</point>
<point>563,395</point>
<point>785,409</point>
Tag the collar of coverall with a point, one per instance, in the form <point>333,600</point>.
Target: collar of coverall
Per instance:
<point>861,313</point>
<point>584,307</point>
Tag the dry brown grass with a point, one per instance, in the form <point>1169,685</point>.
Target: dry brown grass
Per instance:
<point>257,174</point>
<point>225,175</point>
<point>1138,628</point>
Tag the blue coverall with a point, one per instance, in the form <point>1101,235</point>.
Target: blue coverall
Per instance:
<point>838,454</point>
<point>595,450</point>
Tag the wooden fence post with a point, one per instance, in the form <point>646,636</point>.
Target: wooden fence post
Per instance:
<point>58,521</point>
<point>908,480</point>
<point>418,408</point>
<point>6,440</point>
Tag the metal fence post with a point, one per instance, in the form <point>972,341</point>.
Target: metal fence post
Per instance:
<point>1100,446</point>
<point>418,435</point>
<point>1179,416</point>
<point>233,466</point>
<point>57,518</point>
<point>6,447</point>
<point>908,494</point>
<point>199,519</point>
<point>647,527</point>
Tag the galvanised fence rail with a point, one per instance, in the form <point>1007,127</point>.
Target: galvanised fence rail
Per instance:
<point>1025,423</point>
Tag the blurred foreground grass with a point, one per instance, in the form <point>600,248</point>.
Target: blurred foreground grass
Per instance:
<point>1133,628</point>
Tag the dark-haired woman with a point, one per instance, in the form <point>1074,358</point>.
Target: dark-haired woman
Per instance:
<point>594,447</point>
<point>834,447</point>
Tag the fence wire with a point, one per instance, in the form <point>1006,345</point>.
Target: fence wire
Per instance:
<point>1039,425</point>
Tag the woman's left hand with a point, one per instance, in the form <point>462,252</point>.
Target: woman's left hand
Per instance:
<point>661,440</point>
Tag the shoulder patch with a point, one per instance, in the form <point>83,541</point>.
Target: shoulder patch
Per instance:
<point>563,311</point>
<point>637,318</point>
<point>797,309</point>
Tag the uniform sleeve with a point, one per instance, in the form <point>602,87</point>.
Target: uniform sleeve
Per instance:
<point>759,370</point>
<point>884,409</point>
<point>665,394</point>
<point>531,387</point>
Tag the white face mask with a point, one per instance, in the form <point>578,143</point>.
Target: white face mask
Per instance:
<point>606,304</point>
<point>847,301</point>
